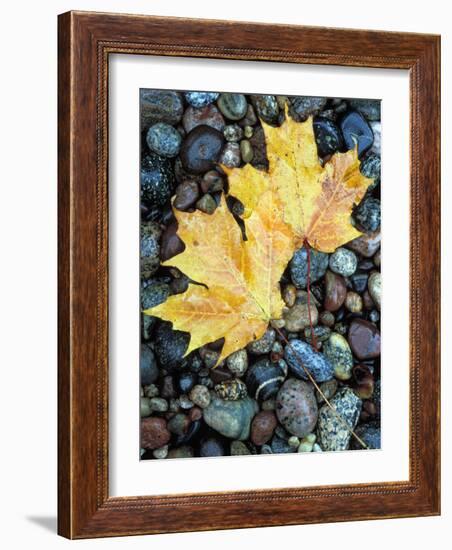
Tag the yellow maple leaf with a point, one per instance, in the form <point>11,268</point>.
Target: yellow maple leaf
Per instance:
<point>242,291</point>
<point>317,200</point>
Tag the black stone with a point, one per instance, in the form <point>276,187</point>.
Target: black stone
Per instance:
<point>157,180</point>
<point>368,214</point>
<point>371,168</point>
<point>327,136</point>
<point>201,149</point>
<point>301,107</point>
<point>155,293</point>
<point>148,367</point>
<point>359,281</point>
<point>263,379</point>
<point>266,107</point>
<point>160,106</point>
<point>189,435</point>
<point>370,108</point>
<point>280,445</point>
<point>356,130</point>
<point>170,345</point>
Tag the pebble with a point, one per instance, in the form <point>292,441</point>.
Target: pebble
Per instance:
<point>230,155</point>
<point>237,362</point>
<point>151,390</point>
<point>353,302</point>
<point>328,388</point>
<point>296,407</point>
<point>304,106</point>
<point>233,132</point>
<point>160,106</point>
<point>269,404</point>
<point>374,316</point>
<point>157,180</point>
<point>238,448</point>
<point>248,131</point>
<point>343,262</point>
<point>158,404</point>
<point>200,99</point>
<point>148,367</point>
<point>170,244</point>
<point>371,168</point>
<point>233,106</point>
<point>200,396</point>
<point>364,339</point>
<point>370,108</point>
<point>307,444</point>
<point>250,117</point>
<point>335,291</point>
<point>367,300</point>
<point>264,379</point>
<point>211,447</point>
<point>356,130</point>
<point>154,294</point>
<point>163,139</point>
<point>208,115</point>
<point>181,452</point>
<point>231,390</point>
<point>316,448</point>
<point>266,107</point>
<point>327,136</point>
<point>246,151</point>
<point>154,433</point>
<point>162,452</point>
<point>150,234</point>
<point>376,129</point>
<point>263,344</point>
<point>186,381</point>
<point>368,214</point>
<point>170,345</point>
<point>195,413</point>
<point>168,387</point>
<point>293,441</point>
<point>338,353</point>
<point>297,317</point>
<point>289,294</point>
<point>231,418</point>
<point>366,245</point>
<point>370,433</point>
<point>299,266</point>
<point>145,409</point>
<point>359,282</point>
<point>179,424</point>
<point>327,318</point>
<point>206,204</point>
<point>257,140</point>
<point>201,149</point>
<point>375,288</point>
<point>278,445</point>
<point>262,427</point>
<point>331,432</point>
<point>300,353</point>
<point>187,194</point>
<point>211,182</point>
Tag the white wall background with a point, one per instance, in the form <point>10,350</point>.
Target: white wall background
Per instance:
<point>28,263</point>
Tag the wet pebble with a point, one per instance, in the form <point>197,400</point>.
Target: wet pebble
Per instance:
<point>170,345</point>
<point>233,132</point>
<point>299,266</point>
<point>233,106</point>
<point>263,344</point>
<point>343,262</point>
<point>327,318</point>
<point>145,409</point>
<point>327,136</point>
<point>338,353</point>
<point>359,282</point>
<point>230,155</point>
<point>206,204</point>
<point>328,388</point>
<point>304,106</point>
<point>154,433</point>
<point>262,427</point>
<point>264,378</point>
<point>154,294</point>
<point>237,362</point>
<point>356,131</point>
<point>158,404</point>
<point>201,99</point>
<point>170,243</point>
<point>364,339</point>
<point>160,106</point>
<point>353,302</point>
<point>300,353</point>
<point>368,214</point>
<point>231,418</point>
<point>208,115</point>
<point>266,107</point>
<point>162,452</point>
<point>370,108</point>
<point>157,180</point>
<point>211,447</point>
<point>246,151</point>
<point>201,149</point>
<point>211,182</point>
<point>296,407</point>
<point>186,382</point>
<point>298,317</point>
<point>238,448</point>
<point>231,390</point>
<point>335,291</point>
<point>366,245</point>
<point>375,288</point>
<point>148,367</point>
<point>163,139</point>
<point>200,396</point>
<point>371,168</point>
<point>187,194</point>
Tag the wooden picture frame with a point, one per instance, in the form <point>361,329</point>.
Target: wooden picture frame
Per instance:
<point>86,40</point>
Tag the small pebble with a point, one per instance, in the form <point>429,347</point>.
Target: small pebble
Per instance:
<point>262,427</point>
<point>230,155</point>
<point>154,433</point>
<point>343,262</point>
<point>237,362</point>
<point>296,407</point>
<point>246,150</point>
<point>356,131</point>
<point>208,115</point>
<point>375,288</point>
<point>364,339</point>
<point>163,139</point>
<point>238,448</point>
<point>158,404</point>
<point>353,302</point>
<point>233,106</point>
<point>201,99</point>
<point>338,353</point>
<point>206,204</point>
<point>145,409</point>
<point>187,194</point>
<point>162,452</point>
<point>264,344</point>
<point>233,132</point>
<point>266,107</point>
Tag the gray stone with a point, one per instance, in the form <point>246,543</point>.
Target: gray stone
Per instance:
<point>370,108</point>
<point>299,267</point>
<point>160,106</point>
<point>148,367</point>
<point>374,286</point>
<point>368,214</point>
<point>263,344</point>
<point>266,107</point>
<point>233,106</point>
<point>370,434</point>
<point>299,353</point>
<point>237,362</point>
<point>343,262</point>
<point>164,140</point>
<point>201,99</point>
<point>301,107</point>
<point>231,418</point>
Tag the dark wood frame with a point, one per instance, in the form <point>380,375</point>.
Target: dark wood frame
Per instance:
<point>85,42</point>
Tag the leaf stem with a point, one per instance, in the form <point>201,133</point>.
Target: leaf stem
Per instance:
<point>308,288</point>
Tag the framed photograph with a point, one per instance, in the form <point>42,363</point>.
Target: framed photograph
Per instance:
<point>248,275</point>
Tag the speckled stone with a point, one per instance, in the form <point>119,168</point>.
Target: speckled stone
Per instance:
<point>376,129</point>
<point>200,396</point>
<point>230,155</point>
<point>374,286</point>
<point>160,106</point>
<point>327,136</point>
<point>331,431</point>
<point>301,107</point>
<point>370,108</point>
<point>154,433</point>
<point>233,106</point>
<point>148,367</point>
<point>208,115</point>
<point>328,388</point>
<point>266,107</point>
<point>157,180</point>
<point>150,234</point>
<point>337,351</point>
<point>366,245</point>
<point>297,317</point>
<point>233,132</point>
<point>301,353</point>
<point>163,139</point>
<point>296,407</point>
<point>353,301</point>
<point>231,418</point>
<point>368,214</point>
<point>154,294</point>
<point>371,168</point>
<point>237,362</point>
<point>264,344</point>
<point>343,262</point>
<point>231,390</point>
<point>299,267</point>
<point>370,433</point>
<point>170,345</point>
<point>201,99</point>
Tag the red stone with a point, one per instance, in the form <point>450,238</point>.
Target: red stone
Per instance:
<point>364,339</point>
<point>335,291</point>
<point>262,427</point>
<point>154,433</point>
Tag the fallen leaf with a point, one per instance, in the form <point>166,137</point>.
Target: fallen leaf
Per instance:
<point>317,200</point>
<point>241,277</point>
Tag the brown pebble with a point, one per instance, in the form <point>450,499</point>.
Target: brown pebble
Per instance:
<point>364,339</point>
<point>262,427</point>
<point>367,300</point>
<point>211,182</point>
<point>208,115</point>
<point>171,244</point>
<point>187,194</point>
<point>154,433</point>
<point>289,295</point>
<point>327,318</point>
<point>195,413</point>
<point>335,291</point>
<point>206,204</point>
<point>353,302</point>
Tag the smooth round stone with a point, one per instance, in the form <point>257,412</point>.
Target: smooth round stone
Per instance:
<point>299,267</point>
<point>181,452</point>
<point>157,180</point>
<point>211,447</point>
<point>356,131</point>
<point>238,448</point>
<point>200,396</point>
<point>375,288</point>
<point>160,106</point>
<point>304,106</point>
<point>161,453</point>
<point>321,334</point>
<point>262,427</point>
<point>374,316</point>
<point>338,353</point>
<point>376,130</point>
<point>206,204</point>
<point>370,433</point>
<point>368,214</point>
<point>211,182</point>
<point>296,407</point>
<point>237,362</point>
<point>154,294</point>
<point>366,245</point>
<point>278,445</point>
<point>154,433</point>
<point>328,388</point>
<point>208,115</point>
<point>289,294</point>
<point>163,139</point>
<point>201,149</point>
<point>170,345</point>
<point>150,234</point>
<point>200,99</point>
<point>186,381</point>
<point>299,353</point>
<point>148,367</point>
<point>231,418</point>
<point>370,108</point>
<point>187,194</point>
<point>158,404</point>
<point>266,107</point>
<point>179,424</point>
<point>354,302</point>
<point>297,317</point>
<point>371,168</point>
<point>170,243</point>
<point>264,378</point>
<point>151,390</point>
<point>327,318</point>
<point>335,291</point>
<point>246,151</point>
<point>364,339</point>
<point>359,282</point>
<point>263,344</point>
<point>233,132</point>
<point>332,434</point>
<point>233,106</point>
<point>327,136</point>
<point>343,262</point>
<point>230,155</point>
<point>145,409</point>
